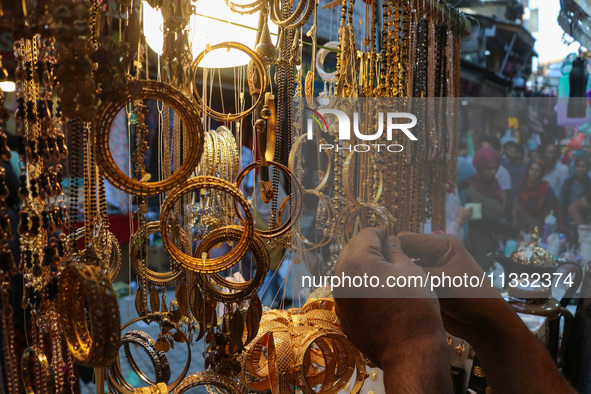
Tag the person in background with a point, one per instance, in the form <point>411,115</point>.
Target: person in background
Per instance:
<point>556,172</point>
<point>575,187</point>
<point>516,165</point>
<point>462,149</point>
<point>534,200</point>
<point>484,189</point>
<point>579,209</point>
<point>502,176</point>
<point>456,215</point>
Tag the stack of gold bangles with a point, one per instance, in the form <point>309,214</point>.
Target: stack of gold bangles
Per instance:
<point>201,264</point>
<point>305,348</point>
<point>98,346</point>
<point>238,291</point>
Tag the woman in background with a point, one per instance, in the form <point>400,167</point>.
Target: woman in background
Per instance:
<point>534,200</point>
<point>575,187</point>
<point>484,189</point>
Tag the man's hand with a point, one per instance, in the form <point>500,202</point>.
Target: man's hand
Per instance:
<point>463,215</point>
<point>513,359</point>
<point>403,336</point>
<point>462,308</point>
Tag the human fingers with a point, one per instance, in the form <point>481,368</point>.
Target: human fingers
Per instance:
<point>364,248</point>
<point>429,248</point>
<point>393,252</point>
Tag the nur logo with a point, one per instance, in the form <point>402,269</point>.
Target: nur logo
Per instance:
<point>344,124</point>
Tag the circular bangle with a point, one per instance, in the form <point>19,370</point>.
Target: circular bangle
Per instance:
<point>98,346</point>
<point>321,57</point>
<point>290,22</point>
<point>240,290</point>
<point>45,370</point>
<point>233,161</point>
<point>273,369</point>
<point>142,270</point>
<point>139,90</point>
<point>245,8</point>
<point>117,387</point>
<point>328,224</point>
<point>210,379</point>
<point>114,264</point>
<point>323,176</point>
<point>159,359</point>
<point>296,209</point>
<point>261,71</point>
<point>352,358</point>
<point>197,264</point>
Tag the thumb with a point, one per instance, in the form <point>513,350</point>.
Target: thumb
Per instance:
<point>393,252</point>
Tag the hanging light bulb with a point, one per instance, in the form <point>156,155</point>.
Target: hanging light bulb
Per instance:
<point>212,23</point>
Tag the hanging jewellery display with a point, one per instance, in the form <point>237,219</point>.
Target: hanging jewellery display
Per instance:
<point>82,66</point>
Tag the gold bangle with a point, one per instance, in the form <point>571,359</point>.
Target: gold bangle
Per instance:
<point>261,70</point>
<point>242,290</point>
<point>98,346</point>
<point>325,176</point>
<point>139,90</point>
<point>118,388</point>
<point>114,265</point>
<point>210,379</point>
<point>329,224</point>
<point>353,358</point>
<point>296,209</point>
<point>198,264</point>
<point>42,360</point>
<point>231,142</point>
<point>290,23</point>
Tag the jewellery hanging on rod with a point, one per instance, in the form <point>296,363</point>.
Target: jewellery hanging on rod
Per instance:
<point>81,65</point>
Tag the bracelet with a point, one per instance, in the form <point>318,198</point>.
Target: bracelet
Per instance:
<point>240,290</point>
<point>117,387</point>
<point>97,346</point>
<point>296,190</point>
<point>347,357</point>
<point>139,90</point>
<point>261,71</point>
<point>114,264</point>
<point>290,22</point>
<point>321,57</point>
<point>324,176</point>
<point>200,264</point>
<point>42,360</point>
<point>159,360</point>
<point>329,224</point>
<point>211,379</point>
<point>159,388</point>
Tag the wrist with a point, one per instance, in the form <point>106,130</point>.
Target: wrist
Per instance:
<point>459,221</point>
<point>412,348</point>
<point>495,319</point>
<point>421,363</point>
<point>425,332</point>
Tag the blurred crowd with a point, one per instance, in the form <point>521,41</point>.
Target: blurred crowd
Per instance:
<point>504,192</point>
